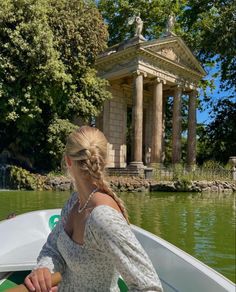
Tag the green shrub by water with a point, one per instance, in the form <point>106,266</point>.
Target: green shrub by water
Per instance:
<point>22,179</point>
<point>210,171</point>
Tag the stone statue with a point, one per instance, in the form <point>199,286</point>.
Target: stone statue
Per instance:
<point>170,24</point>
<point>139,24</point>
<point>148,155</point>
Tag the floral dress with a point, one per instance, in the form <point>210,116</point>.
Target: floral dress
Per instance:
<point>110,249</point>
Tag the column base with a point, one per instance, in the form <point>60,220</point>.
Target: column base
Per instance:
<point>156,165</point>
<point>136,165</point>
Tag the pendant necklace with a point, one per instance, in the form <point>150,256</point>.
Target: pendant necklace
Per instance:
<point>80,210</point>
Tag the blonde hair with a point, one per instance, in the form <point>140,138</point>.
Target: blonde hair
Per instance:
<point>87,147</point>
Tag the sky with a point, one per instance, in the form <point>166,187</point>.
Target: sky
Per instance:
<point>216,94</point>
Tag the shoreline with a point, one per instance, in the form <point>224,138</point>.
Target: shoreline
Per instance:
<point>137,184</point>
<point>17,178</point>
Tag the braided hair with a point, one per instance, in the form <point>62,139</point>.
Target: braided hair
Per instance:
<point>87,147</point>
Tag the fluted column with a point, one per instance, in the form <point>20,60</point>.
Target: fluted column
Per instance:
<point>137,119</point>
<point>191,139</point>
<point>157,122</point>
<point>176,126</point>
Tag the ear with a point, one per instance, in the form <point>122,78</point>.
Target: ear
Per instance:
<point>68,161</point>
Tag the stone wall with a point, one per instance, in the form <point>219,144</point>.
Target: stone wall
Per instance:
<point>114,127</point>
<point>136,184</point>
<point>19,178</point>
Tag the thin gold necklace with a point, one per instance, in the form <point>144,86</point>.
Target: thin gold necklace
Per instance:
<point>80,210</point>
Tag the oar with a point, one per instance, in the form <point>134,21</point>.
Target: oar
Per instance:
<point>56,279</point>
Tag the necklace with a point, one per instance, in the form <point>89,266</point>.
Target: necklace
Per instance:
<point>80,210</point>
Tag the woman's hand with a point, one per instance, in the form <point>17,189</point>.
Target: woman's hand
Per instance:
<point>40,280</point>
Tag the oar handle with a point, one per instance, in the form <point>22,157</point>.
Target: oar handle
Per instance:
<point>56,279</point>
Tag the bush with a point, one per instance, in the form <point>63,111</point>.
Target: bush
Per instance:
<point>57,134</point>
<point>23,179</point>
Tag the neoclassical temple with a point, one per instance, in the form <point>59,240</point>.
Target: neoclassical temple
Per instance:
<point>142,76</point>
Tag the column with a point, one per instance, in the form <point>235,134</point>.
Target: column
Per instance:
<point>157,122</point>
<point>137,121</point>
<point>191,139</point>
<point>176,126</point>
<point>163,127</point>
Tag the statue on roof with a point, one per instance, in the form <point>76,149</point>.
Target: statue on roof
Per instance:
<point>170,25</point>
<point>138,24</point>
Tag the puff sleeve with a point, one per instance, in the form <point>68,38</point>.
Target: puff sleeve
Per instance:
<point>115,238</point>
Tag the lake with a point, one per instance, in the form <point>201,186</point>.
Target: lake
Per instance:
<point>201,224</point>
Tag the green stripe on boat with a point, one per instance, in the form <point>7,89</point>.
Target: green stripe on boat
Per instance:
<point>13,280</point>
<point>17,278</point>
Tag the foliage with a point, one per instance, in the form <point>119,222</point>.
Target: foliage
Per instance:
<point>23,179</point>
<point>210,171</point>
<point>47,52</point>
<point>57,133</point>
<point>217,140</point>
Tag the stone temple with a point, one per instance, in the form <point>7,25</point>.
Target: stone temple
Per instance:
<point>142,76</point>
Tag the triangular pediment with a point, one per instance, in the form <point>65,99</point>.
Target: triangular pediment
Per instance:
<point>173,49</point>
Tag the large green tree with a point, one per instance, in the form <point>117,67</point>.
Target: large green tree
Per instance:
<point>47,52</point>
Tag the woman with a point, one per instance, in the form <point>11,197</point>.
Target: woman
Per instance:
<point>93,243</point>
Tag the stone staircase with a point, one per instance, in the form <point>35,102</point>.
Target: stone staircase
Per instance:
<point>121,171</point>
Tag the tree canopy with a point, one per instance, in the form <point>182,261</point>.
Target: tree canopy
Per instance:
<point>47,52</point>
<point>218,139</point>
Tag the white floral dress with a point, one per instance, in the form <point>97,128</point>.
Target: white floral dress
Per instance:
<point>110,249</point>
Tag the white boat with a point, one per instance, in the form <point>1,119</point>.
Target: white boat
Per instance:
<point>23,236</point>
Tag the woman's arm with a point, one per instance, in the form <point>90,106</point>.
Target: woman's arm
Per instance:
<point>49,260</point>
<point>49,256</point>
<point>115,237</point>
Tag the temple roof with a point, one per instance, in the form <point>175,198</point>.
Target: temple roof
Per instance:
<point>168,55</point>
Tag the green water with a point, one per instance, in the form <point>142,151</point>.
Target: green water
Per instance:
<point>202,225</point>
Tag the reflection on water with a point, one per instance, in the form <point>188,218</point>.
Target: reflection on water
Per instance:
<point>202,225</point>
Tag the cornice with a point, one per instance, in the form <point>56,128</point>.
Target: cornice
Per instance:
<point>171,65</point>
<point>172,40</point>
<point>124,62</point>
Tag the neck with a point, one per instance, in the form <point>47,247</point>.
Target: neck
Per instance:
<point>84,190</point>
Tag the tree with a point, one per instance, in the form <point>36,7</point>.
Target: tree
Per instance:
<point>210,26</point>
<point>47,52</point>
<point>218,138</point>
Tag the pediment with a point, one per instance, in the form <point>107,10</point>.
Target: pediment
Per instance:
<point>175,50</point>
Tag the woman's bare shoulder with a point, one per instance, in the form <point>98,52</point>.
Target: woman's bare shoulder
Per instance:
<point>105,200</point>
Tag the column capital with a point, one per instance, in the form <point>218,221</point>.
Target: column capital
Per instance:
<point>139,72</point>
<point>178,88</point>
<point>190,86</point>
<point>194,92</point>
<point>160,80</point>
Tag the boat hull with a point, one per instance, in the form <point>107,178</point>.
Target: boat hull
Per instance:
<point>25,234</point>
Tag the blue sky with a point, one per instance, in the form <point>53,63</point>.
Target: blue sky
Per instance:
<point>215,94</point>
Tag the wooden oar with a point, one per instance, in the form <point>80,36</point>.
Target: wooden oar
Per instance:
<point>56,279</point>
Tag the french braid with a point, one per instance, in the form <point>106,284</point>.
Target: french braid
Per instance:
<point>95,166</point>
<point>88,148</point>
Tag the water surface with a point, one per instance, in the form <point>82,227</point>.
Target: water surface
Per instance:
<point>202,225</point>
